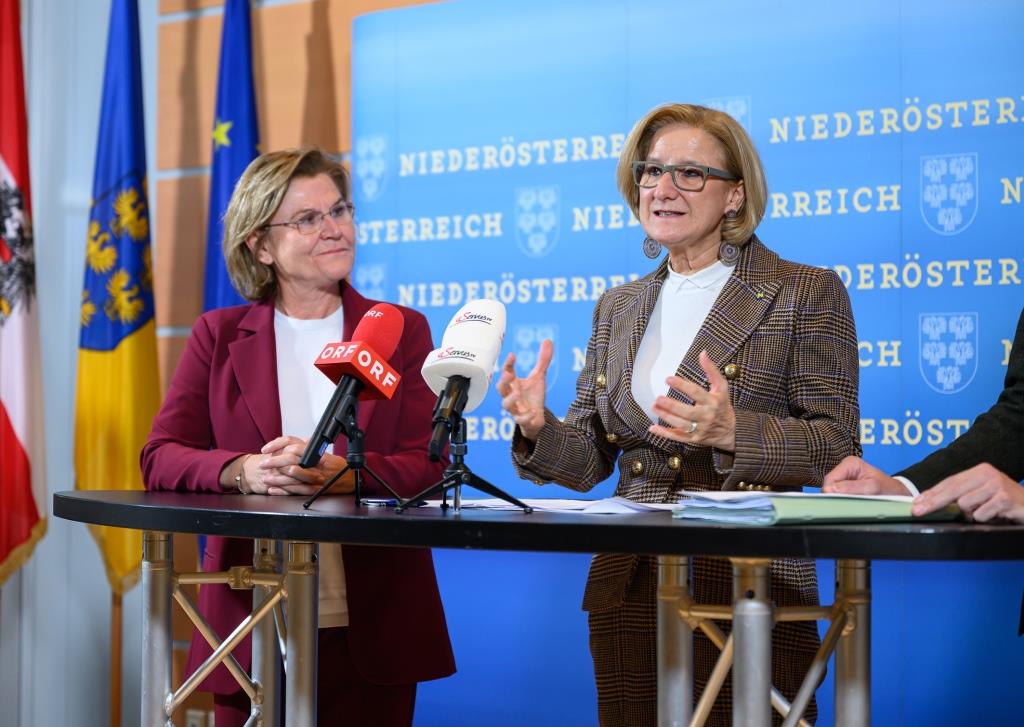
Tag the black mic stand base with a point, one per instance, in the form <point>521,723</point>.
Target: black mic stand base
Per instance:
<point>356,461</point>
<point>455,476</point>
<point>359,485</point>
<point>458,474</point>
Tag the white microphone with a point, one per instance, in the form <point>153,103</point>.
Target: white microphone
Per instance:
<point>460,371</point>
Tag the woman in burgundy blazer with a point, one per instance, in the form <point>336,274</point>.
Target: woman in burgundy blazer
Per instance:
<point>222,415</point>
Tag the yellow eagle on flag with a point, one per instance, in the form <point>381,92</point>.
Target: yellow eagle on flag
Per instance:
<point>130,217</point>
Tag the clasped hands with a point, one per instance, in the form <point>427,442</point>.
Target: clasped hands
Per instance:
<point>276,471</point>
<point>710,420</point>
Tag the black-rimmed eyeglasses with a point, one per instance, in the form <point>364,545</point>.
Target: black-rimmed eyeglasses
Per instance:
<point>685,177</point>
<point>312,221</point>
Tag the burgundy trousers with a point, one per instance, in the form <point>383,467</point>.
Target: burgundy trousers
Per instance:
<point>344,697</point>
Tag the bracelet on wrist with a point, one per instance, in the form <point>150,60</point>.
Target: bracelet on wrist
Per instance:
<point>240,482</point>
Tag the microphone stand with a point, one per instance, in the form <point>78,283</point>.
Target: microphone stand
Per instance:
<point>355,459</point>
<point>458,474</point>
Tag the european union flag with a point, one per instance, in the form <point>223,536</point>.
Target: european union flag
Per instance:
<point>118,390</point>
<point>235,139</point>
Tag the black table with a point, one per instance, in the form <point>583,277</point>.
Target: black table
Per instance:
<point>336,519</point>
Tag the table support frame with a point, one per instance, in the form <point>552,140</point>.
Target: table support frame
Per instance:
<point>293,633</point>
<point>747,650</point>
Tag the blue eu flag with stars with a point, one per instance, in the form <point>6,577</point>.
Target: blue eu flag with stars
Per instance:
<point>235,142</point>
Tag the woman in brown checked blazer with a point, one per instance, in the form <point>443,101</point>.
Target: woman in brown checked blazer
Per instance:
<point>725,368</point>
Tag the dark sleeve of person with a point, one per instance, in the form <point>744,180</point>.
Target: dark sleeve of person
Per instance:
<point>996,437</point>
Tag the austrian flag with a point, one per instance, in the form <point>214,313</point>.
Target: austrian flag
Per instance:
<point>22,485</point>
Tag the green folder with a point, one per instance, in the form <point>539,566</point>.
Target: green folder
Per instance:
<point>792,508</point>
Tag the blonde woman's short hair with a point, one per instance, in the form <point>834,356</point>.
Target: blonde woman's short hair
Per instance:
<point>257,195</point>
<point>738,149</point>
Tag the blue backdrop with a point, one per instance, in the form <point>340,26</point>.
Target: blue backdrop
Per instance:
<point>486,136</point>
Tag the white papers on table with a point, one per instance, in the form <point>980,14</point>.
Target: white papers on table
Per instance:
<point>608,506</point>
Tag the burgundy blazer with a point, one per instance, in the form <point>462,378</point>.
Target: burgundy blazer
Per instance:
<point>223,402</point>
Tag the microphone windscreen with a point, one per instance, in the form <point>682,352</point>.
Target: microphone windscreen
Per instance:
<point>380,328</point>
<point>470,347</point>
<point>478,323</point>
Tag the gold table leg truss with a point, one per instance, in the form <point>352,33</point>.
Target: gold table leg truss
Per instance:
<point>268,623</point>
<point>747,650</point>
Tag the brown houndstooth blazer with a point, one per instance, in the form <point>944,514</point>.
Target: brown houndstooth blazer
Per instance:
<point>789,331</point>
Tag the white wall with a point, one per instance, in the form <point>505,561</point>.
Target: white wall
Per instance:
<point>55,612</point>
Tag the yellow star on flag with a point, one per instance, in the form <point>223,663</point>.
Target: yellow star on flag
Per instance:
<point>220,133</point>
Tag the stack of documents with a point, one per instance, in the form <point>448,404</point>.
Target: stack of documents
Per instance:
<point>786,508</point>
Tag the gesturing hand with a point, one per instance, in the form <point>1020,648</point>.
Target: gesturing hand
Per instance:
<point>276,471</point>
<point>710,420</point>
<point>523,398</point>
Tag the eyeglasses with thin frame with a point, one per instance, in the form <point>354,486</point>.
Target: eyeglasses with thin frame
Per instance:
<point>312,221</point>
<point>685,177</point>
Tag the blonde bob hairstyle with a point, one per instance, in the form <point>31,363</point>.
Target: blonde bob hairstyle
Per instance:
<point>740,158</point>
<point>258,194</point>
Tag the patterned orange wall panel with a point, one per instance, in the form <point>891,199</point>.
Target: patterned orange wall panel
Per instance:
<point>180,249</point>
<point>296,62</point>
<point>169,348</point>
<point>187,57</point>
<point>178,6</point>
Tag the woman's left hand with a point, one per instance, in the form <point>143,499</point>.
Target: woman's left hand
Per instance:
<point>709,421</point>
<point>281,457</point>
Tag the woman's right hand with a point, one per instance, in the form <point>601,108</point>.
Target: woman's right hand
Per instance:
<point>523,398</point>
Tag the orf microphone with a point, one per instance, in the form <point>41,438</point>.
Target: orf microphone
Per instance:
<point>360,369</point>
<point>460,370</point>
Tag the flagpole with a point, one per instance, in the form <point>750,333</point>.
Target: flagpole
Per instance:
<point>115,659</point>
